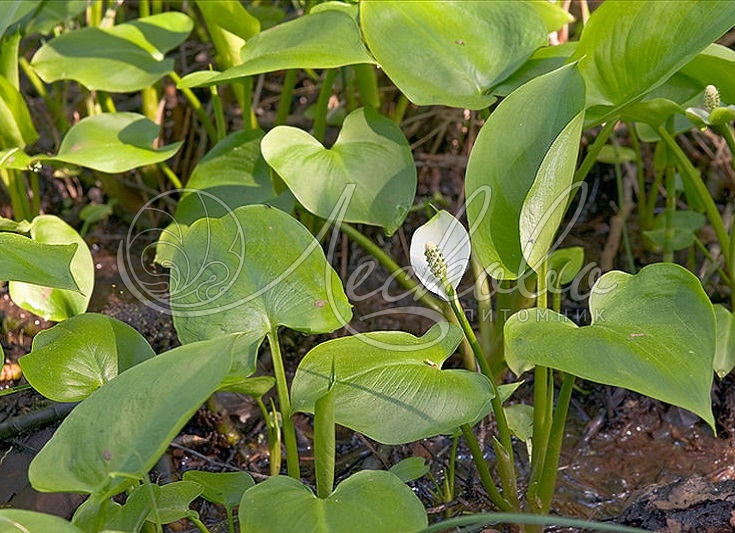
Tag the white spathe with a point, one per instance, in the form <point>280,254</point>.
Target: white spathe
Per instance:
<point>454,243</point>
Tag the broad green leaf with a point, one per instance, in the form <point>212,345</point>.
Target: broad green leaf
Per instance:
<point>124,58</point>
<point>13,11</point>
<point>224,488</point>
<point>683,224</point>
<point>22,521</point>
<point>24,259</point>
<point>554,17</point>
<point>369,501</point>
<point>113,143</point>
<point>410,468</point>
<point>450,53</point>
<point>520,172</point>
<point>134,417</point>
<point>16,158</point>
<point>9,50</point>
<point>328,39</point>
<point>255,387</point>
<point>252,271</point>
<point>57,304</point>
<point>128,517</point>
<point>725,354</point>
<point>714,66</point>
<point>612,154</point>
<point>351,9</point>
<point>71,360</point>
<point>172,501</point>
<point>16,126</point>
<point>231,175</point>
<point>230,16</point>
<point>390,385</point>
<point>621,63</point>
<point>520,420</point>
<point>653,333</point>
<point>371,153</point>
<point>543,61</point>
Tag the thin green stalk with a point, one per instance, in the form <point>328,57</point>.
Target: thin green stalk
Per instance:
<point>484,305</point>
<point>9,178</point>
<point>219,115</point>
<point>400,110</point>
<point>284,402</point>
<point>244,94</point>
<point>199,524</point>
<point>726,131</point>
<point>149,102</point>
<point>692,175</point>
<point>284,102</point>
<point>196,105</point>
<point>367,81</point>
<point>547,482</point>
<point>623,207</point>
<point>387,261</point>
<point>591,157</point>
<point>105,101</point>
<point>644,214</point>
<point>483,471</point>
<point>668,251</point>
<point>324,443</point>
<point>144,8</point>
<point>712,260</point>
<point>170,174</point>
<point>322,105</point>
<point>449,477</point>
<point>508,481</point>
<point>35,207</point>
<point>274,436</point>
<point>57,112</point>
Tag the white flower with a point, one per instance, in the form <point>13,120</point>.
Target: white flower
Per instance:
<point>445,241</point>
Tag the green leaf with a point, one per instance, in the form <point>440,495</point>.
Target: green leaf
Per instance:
<point>724,360</point>
<point>543,61</point>
<point>172,502</point>
<point>52,13</point>
<point>653,333</point>
<point>327,39</point>
<point>369,501</point>
<point>134,417</point>
<point>57,304</point>
<point>113,143</point>
<point>16,126</point>
<point>621,63</point>
<point>410,468</point>
<point>552,14</point>
<point>715,66</point>
<point>252,271</point>
<point>520,172</point>
<point>13,11</point>
<point>71,360</point>
<point>224,488</point>
<point>370,153</point>
<point>565,264</point>
<point>450,53</point>
<point>21,521</point>
<point>124,58</point>
<point>684,224</point>
<point>24,259</point>
<point>389,384</point>
<point>231,175</point>
<point>520,420</point>
<point>16,158</point>
<point>231,17</point>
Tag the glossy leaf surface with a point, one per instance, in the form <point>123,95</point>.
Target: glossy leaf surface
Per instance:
<point>124,58</point>
<point>450,53</point>
<point>371,154</point>
<point>57,304</point>
<point>353,506</point>
<point>136,415</point>
<point>389,385</point>
<point>252,271</point>
<point>520,172</point>
<point>113,142</point>
<point>71,360</point>
<point>653,333</point>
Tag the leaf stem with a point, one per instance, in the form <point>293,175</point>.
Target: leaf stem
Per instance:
<point>483,471</point>
<point>322,105</point>
<point>196,105</point>
<point>284,102</point>
<point>284,402</point>
<point>403,278</point>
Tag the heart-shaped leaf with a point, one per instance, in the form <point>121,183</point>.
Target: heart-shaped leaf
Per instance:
<point>24,259</point>
<point>113,142</point>
<point>450,53</point>
<point>231,175</point>
<point>389,385</point>
<point>620,63</point>
<point>564,264</point>
<point>57,304</point>
<point>124,58</point>
<point>371,154</point>
<point>369,501</point>
<point>326,39</point>
<point>172,502</point>
<point>653,333</point>
<point>520,172</point>
<point>135,416</point>
<point>76,357</point>
<point>682,224</point>
<point>252,271</point>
